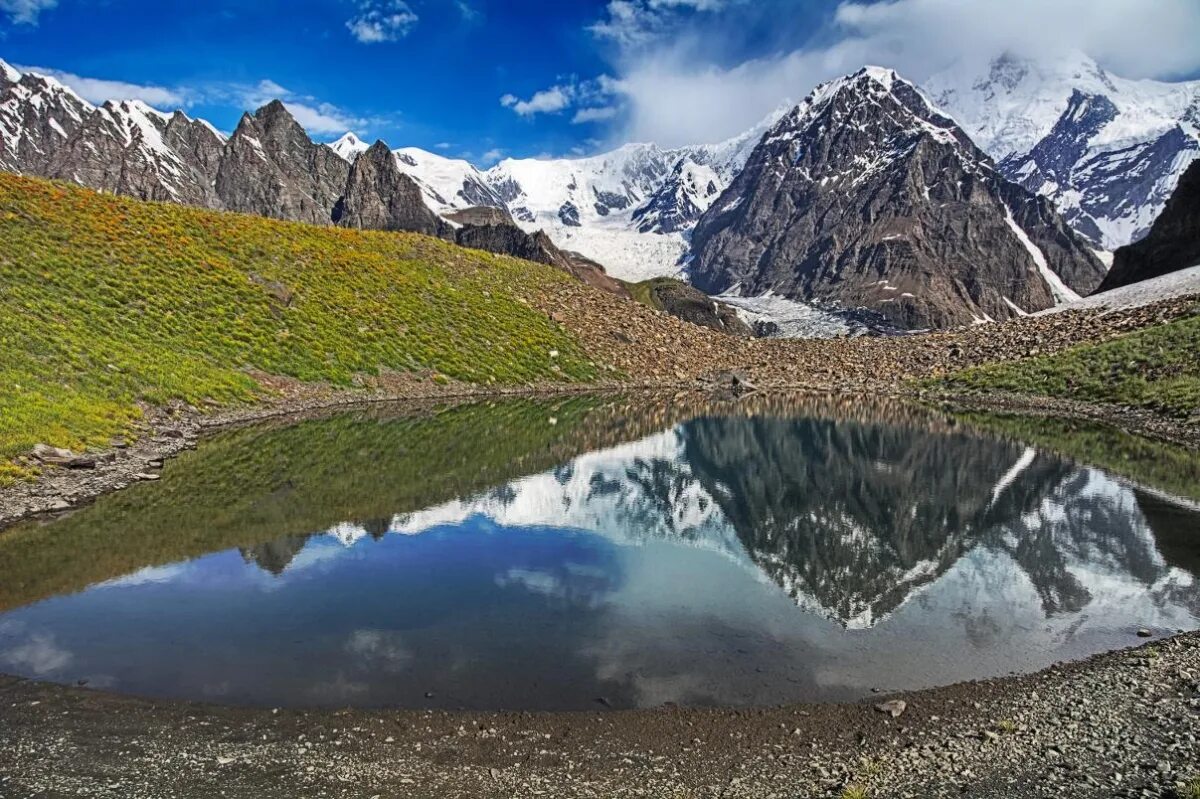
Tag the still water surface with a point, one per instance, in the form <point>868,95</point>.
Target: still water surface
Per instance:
<point>487,557</point>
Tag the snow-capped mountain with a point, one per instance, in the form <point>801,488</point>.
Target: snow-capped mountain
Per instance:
<point>349,146</point>
<point>121,146</point>
<point>631,208</point>
<point>865,195</point>
<point>1105,150</point>
<point>1108,151</point>
<point>37,114</point>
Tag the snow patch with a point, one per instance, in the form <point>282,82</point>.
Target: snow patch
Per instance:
<point>1183,283</point>
<point>1058,289</point>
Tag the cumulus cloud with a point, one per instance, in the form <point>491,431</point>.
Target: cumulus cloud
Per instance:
<point>633,23</point>
<point>569,93</point>
<point>39,654</point>
<point>97,90</point>
<point>672,70</point>
<point>25,12</point>
<point>547,101</point>
<point>382,21</point>
<point>379,650</point>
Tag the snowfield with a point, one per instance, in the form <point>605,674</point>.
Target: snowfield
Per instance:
<point>1185,282</point>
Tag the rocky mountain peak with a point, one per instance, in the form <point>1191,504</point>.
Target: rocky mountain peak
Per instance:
<point>866,195</point>
<point>379,196</point>
<point>274,112</point>
<point>1108,151</point>
<point>349,146</point>
<point>270,167</point>
<point>8,74</point>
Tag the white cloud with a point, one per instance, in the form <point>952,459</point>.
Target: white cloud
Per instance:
<point>25,12</point>
<point>570,92</point>
<point>97,90</point>
<point>633,23</point>
<point>321,119</point>
<point>39,653</point>
<point>492,156</point>
<point>600,114</point>
<point>379,650</point>
<point>547,101</point>
<point>670,81</point>
<point>382,21</point>
<point>468,12</point>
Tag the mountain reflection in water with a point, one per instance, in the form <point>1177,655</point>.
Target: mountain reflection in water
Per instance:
<point>726,559</point>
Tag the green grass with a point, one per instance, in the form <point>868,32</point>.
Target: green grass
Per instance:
<point>261,484</point>
<point>1191,790</point>
<point>1156,368</point>
<point>108,302</point>
<point>644,291</point>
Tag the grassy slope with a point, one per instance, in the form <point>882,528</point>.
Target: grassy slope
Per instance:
<point>1157,368</point>
<point>106,301</point>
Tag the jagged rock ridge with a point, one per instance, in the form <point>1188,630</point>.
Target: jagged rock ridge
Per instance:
<point>269,167</point>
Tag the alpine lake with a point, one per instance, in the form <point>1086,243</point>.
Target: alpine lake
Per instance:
<point>609,552</point>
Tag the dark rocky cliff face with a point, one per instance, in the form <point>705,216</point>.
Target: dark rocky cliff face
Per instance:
<point>866,196</point>
<point>1173,242</point>
<point>123,148</point>
<point>379,196</point>
<point>271,168</point>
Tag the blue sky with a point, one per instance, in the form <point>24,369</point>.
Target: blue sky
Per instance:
<point>485,78</point>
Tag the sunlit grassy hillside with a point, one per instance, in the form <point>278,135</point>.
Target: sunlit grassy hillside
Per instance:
<point>1156,368</point>
<point>105,301</point>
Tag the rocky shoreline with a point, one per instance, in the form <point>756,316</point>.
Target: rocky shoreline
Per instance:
<point>1123,724</point>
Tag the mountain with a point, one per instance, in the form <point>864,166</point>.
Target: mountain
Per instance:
<point>37,115</point>
<point>865,195</point>
<point>850,520</point>
<point>378,196</point>
<point>268,167</point>
<point>630,208</point>
<point>1108,151</point>
<point>271,168</point>
<point>1173,242</point>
